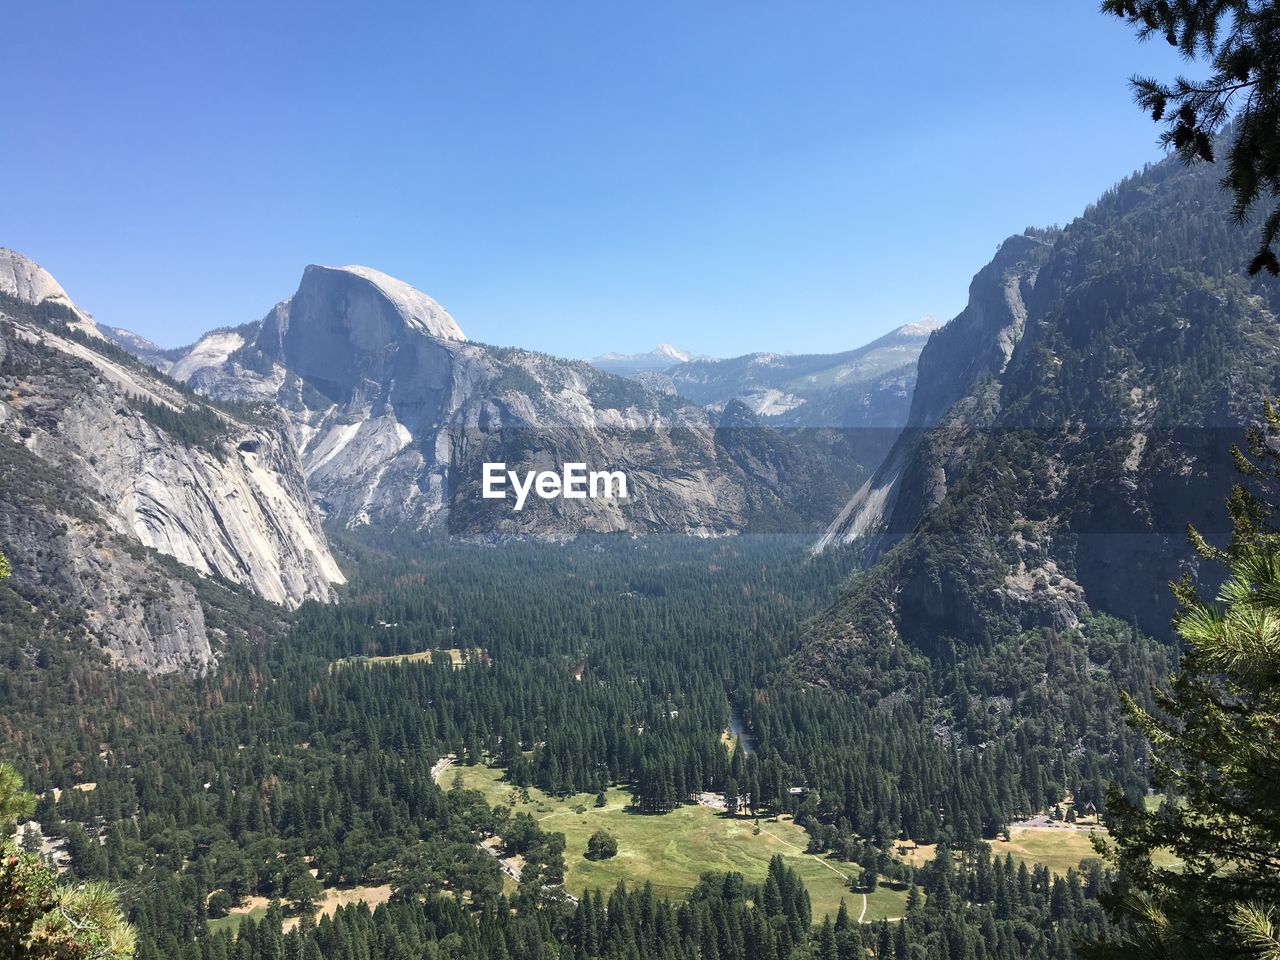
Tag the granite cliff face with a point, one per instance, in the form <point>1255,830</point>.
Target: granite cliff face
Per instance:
<point>1065,428</point>
<point>955,391</point>
<point>24,281</point>
<point>394,413</point>
<point>104,460</point>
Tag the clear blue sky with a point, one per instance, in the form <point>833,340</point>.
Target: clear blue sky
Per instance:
<point>574,177</point>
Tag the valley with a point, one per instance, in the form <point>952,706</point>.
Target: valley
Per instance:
<point>851,657</point>
<point>616,666</point>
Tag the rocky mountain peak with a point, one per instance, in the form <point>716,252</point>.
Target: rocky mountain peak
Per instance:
<point>346,326</point>
<point>25,280</point>
<point>662,357</point>
<point>737,415</point>
<point>675,353</point>
<point>414,308</point>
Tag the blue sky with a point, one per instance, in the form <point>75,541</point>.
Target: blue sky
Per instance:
<point>573,177</point>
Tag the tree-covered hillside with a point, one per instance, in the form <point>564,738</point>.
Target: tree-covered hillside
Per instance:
<point>1058,480</point>
<point>305,762</point>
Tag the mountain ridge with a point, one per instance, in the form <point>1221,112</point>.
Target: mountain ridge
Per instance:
<point>393,421</point>
<point>660,358</point>
<point>1068,424</point>
<point>131,461</point>
<point>814,389</point>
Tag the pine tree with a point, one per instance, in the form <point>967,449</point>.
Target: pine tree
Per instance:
<point>1242,40</point>
<point>1216,748</point>
<point>42,918</point>
<point>827,941</point>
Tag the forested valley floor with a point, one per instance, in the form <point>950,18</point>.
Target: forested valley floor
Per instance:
<point>642,689</point>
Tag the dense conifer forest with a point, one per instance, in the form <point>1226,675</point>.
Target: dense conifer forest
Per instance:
<point>304,761</point>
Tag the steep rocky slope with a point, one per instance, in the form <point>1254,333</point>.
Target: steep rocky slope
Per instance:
<point>953,386</point>
<point>104,461</point>
<point>395,412</point>
<point>1066,426</point>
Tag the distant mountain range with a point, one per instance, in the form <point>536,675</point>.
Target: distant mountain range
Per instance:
<point>661,357</point>
<point>868,386</point>
<point>394,411</point>
<point>847,407</point>
<point>358,400</point>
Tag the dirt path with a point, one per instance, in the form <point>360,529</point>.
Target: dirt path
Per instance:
<point>505,864</point>
<point>1044,822</point>
<point>440,766</point>
<point>805,853</point>
<point>716,802</point>
<point>839,873</point>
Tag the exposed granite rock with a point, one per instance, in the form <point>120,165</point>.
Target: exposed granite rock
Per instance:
<point>962,358</point>
<point>145,618</point>
<point>395,412</point>
<point>127,461</point>
<point>1067,426</point>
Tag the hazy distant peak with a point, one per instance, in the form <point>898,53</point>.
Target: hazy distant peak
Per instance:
<point>662,357</point>
<point>675,353</point>
<point>135,343</point>
<point>922,327</point>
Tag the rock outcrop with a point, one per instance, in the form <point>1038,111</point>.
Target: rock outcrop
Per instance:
<point>953,392</point>
<point>132,463</point>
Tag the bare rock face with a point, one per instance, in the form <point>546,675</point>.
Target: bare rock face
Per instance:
<point>958,359</point>
<point>28,282</point>
<point>129,463</point>
<point>145,618</point>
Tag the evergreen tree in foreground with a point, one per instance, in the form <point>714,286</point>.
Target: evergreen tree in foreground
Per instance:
<point>1241,41</point>
<point>42,918</point>
<point>1216,748</point>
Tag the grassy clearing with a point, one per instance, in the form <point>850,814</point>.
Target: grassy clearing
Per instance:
<point>916,854</point>
<point>1058,849</point>
<point>333,898</point>
<point>336,897</point>
<point>671,851</point>
<point>457,656</point>
<point>232,920</point>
